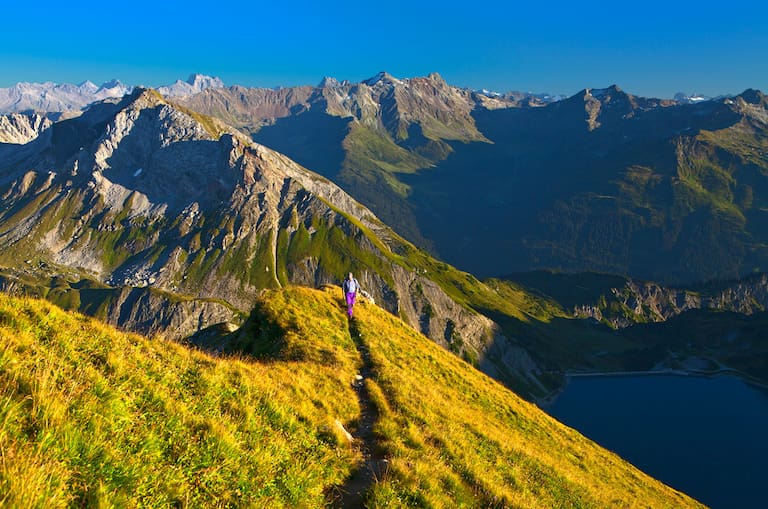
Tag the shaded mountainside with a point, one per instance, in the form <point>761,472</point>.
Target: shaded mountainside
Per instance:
<point>621,302</point>
<point>91,416</point>
<point>605,182</point>
<point>140,208</point>
<point>361,135</point>
<point>602,181</point>
<point>601,323</point>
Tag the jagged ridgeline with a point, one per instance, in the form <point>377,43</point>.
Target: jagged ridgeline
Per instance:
<point>602,181</point>
<point>95,417</point>
<point>159,219</point>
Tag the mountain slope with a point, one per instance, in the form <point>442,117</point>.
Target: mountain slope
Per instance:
<point>91,416</point>
<point>605,182</point>
<point>142,193</point>
<point>602,181</point>
<point>360,135</point>
<point>18,128</point>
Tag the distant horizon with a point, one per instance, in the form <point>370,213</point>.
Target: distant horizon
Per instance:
<point>654,49</point>
<point>99,83</point>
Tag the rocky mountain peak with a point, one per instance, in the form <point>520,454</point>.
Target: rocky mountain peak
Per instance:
<point>18,128</point>
<point>113,84</point>
<point>328,82</point>
<point>200,82</point>
<point>436,77</point>
<point>196,83</point>
<point>383,78</point>
<point>752,96</point>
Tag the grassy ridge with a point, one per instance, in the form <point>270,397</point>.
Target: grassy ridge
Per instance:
<point>90,416</point>
<point>457,438</point>
<point>93,417</point>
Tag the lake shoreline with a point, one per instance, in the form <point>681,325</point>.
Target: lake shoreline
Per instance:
<point>547,401</point>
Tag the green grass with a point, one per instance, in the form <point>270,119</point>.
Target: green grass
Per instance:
<point>93,417</point>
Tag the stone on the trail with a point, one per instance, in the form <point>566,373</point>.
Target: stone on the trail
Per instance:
<point>340,428</point>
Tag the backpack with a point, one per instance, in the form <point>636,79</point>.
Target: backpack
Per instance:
<point>346,285</point>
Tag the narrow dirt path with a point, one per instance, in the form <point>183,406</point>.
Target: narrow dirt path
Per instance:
<point>352,493</point>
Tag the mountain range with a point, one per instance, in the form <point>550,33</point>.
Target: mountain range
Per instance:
<point>157,218</point>
<point>183,215</point>
<point>603,180</point>
<point>54,99</point>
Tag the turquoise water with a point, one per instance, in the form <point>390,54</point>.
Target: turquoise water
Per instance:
<point>705,436</point>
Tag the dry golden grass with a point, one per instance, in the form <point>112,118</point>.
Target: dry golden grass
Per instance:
<point>93,417</point>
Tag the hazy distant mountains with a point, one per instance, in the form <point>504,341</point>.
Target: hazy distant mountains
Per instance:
<point>51,97</point>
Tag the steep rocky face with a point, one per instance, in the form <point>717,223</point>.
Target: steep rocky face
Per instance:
<point>22,128</point>
<point>250,108</point>
<point>641,301</point>
<point>140,193</point>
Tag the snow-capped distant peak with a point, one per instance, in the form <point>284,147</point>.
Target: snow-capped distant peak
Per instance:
<point>111,84</point>
<point>690,99</point>
<point>490,93</point>
<point>88,85</point>
<point>201,81</point>
<point>381,77</point>
<point>194,84</point>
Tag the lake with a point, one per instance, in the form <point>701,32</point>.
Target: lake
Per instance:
<point>705,436</point>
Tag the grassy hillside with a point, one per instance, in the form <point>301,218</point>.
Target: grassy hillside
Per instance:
<point>93,417</point>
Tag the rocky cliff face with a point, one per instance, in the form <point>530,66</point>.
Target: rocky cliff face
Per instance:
<point>641,302</point>
<point>20,128</point>
<point>140,193</point>
<point>401,108</point>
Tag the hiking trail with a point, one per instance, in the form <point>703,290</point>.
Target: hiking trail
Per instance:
<point>352,493</point>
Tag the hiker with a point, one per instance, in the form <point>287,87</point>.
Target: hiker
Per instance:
<point>350,287</point>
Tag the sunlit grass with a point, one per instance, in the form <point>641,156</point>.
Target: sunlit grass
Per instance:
<point>93,417</point>
<point>458,438</point>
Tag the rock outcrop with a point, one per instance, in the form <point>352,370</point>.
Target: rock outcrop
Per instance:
<point>641,301</point>
<point>20,128</point>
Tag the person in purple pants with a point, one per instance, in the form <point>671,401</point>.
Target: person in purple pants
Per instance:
<point>350,288</point>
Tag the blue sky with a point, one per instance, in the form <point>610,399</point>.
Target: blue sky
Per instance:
<point>649,48</point>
